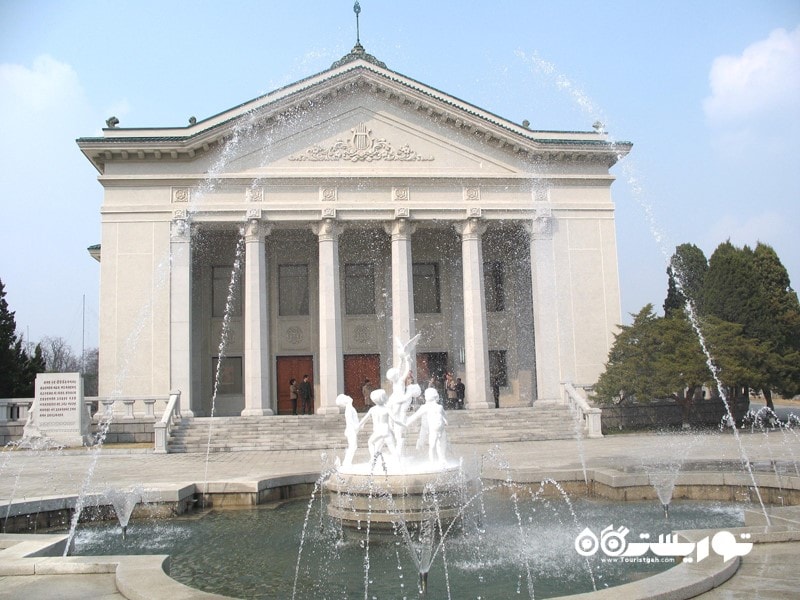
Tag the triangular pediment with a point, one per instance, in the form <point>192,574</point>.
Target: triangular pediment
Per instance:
<point>357,114</point>
<point>367,137</point>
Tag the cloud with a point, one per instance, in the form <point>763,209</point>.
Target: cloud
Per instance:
<point>48,84</point>
<point>764,78</point>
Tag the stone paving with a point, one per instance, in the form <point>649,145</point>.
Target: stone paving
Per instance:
<point>24,475</point>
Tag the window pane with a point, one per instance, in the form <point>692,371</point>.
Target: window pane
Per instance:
<point>359,289</point>
<point>426,287</point>
<point>494,286</point>
<point>230,374</point>
<point>292,290</point>
<point>220,285</point>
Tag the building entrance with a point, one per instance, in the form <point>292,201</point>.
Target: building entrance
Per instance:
<point>357,368</point>
<point>288,367</point>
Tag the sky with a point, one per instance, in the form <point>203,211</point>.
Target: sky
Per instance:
<point>708,93</point>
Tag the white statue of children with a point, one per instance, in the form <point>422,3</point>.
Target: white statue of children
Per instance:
<point>433,413</point>
<point>351,426</point>
<point>381,425</point>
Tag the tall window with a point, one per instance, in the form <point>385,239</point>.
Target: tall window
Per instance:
<point>494,286</point>
<point>222,296</point>
<point>292,290</point>
<point>498,369</point>
<point>230,374</point>
<point>359,289</point>
<point>426,288</point>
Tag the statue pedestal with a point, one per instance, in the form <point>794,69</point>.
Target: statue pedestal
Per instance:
<point>407,494</point>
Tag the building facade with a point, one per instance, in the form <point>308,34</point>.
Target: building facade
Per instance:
<point>306,231</point>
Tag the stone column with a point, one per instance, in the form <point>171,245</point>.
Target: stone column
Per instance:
<point>403,327</point>
<point>331,367</point>
<point>180,311</point>
<point>476,337</point>
<point>545,308</point>
<point>256,321</point>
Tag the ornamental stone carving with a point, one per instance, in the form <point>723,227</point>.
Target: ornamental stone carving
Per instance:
<point>256,230</point>
<point>328,213</point>
<point>361,334</point>
<point>253,213</point>
<point>471,229</point>
<point>401,212</point>
<point>181,194</point>
<point>327,229</point>
<point>472,194</point>
<point>400,228</point>
<point>295,335</point>
<point>361,146</point>
<point>254,194</point>
<point>400,194</point>
<point>474,212</point>
<point>327,194</point>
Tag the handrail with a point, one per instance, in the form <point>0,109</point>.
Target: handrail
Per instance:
<point>162,429</point>
<point>591,417</point>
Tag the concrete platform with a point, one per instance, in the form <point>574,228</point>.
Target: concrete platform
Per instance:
<point>767,571</point>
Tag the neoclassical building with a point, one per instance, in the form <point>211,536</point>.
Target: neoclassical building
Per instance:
<point>303,232</point>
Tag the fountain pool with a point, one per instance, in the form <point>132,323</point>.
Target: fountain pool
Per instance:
<point>501,548</point>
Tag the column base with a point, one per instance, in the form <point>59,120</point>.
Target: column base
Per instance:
<point>328,410</point>
<point>479,405</point>
<point>257,412</point>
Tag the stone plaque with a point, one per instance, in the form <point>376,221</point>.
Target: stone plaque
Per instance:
<point>58,410</point>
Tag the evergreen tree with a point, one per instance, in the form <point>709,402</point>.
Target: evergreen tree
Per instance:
<point>687,272</point>
<point>13,358</point>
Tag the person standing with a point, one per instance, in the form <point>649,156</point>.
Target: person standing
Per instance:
<point>460,392</point>
<point>450,390</point>
<point>306,393</point>
<point>366,390</point>
<point>293,394</point>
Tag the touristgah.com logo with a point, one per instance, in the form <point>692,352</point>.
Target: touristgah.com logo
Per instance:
<point>668,548</point>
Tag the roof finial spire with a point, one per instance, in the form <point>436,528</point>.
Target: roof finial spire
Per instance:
<point>357,10</point>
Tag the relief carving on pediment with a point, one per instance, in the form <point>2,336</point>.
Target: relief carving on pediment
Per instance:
<point>361,146</point>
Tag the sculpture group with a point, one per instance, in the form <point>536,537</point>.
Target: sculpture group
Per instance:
<point>391,419</point>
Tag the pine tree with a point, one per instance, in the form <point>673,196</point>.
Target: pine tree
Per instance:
<point>16,375</point>
<point>687,272</point>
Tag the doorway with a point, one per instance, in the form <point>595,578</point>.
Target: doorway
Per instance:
<point>358,367</point>
<point>288,367</point>
<point>431,369</point>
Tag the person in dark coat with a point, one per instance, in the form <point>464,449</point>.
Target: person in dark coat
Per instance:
<point>306,393</point>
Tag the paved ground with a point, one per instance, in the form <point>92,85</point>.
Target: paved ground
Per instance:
<point>768,572</point>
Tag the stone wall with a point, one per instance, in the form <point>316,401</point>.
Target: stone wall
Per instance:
<point>666,413</point>
<point>128,431</point>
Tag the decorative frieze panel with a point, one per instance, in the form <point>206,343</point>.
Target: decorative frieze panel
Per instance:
<point>360,335</point>
<point>328,213</point>
<point>234,334</point>
<point>327,194</point>
<point>181,194</point>
<point>361,146</point>
<point>401,212</point>
<point>400,194</point>
<point>293,335</point>
<point>254,194</point>
<point>474,212</point>
<point>253,213</point>
<point>472,194</point>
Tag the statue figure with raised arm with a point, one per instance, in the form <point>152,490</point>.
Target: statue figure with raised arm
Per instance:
<point>351,427</point>
<point>402,395</point>
<point>432,414</point>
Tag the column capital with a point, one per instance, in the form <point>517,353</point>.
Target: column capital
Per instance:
<point>327,230</point>
<point>180,229</point>
<point>541,227</point>
<point>256,230</point>
<point>471,229</point>
<point>400,228</point>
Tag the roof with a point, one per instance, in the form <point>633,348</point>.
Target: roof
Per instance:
<point>357,70</point>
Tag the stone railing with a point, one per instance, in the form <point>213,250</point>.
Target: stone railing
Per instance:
<point>590,417</point>
<point>172,415</point>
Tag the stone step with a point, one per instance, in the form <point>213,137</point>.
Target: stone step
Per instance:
<point>285,432</point>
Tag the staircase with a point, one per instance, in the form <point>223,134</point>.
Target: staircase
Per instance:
<point>545,421</point>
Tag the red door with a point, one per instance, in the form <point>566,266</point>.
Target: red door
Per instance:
<point>291,367</point>
<point>358,367</point>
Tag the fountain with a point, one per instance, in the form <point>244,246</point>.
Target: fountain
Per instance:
<point>124,501</point>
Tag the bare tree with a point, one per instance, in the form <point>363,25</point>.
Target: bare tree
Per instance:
<point>59,356</point>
